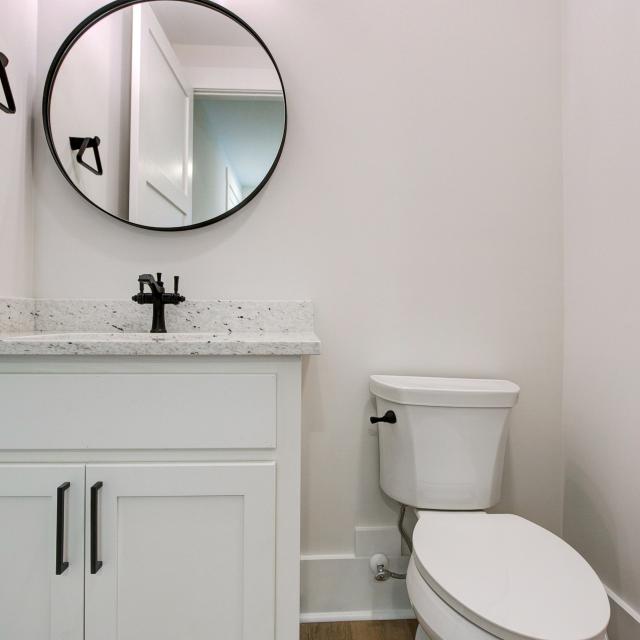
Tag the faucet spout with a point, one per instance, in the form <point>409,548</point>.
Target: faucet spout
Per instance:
<point>156,286</point>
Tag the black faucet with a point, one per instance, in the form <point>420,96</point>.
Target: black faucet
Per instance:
<point>158,298</point>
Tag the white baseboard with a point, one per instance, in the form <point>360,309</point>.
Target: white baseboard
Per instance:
<point>625,620</point>
<point>338,588</point>
<point>623,604</point>
<point>351,616</point>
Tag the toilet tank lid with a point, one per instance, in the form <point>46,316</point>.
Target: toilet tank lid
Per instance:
<point>445,392</point>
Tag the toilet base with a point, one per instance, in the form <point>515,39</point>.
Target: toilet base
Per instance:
<point>421,635</point>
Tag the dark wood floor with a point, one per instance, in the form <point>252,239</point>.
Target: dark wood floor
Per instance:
<point>376,630</point>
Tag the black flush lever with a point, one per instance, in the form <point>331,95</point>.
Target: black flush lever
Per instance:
<point>389,417</point>
<point>10,107</point>
<point>81,145</point>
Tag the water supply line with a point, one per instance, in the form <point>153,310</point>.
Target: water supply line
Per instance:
<point>405,536</point>
<point>379,562</point>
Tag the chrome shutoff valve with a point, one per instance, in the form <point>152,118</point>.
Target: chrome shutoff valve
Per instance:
<point>378,564</point>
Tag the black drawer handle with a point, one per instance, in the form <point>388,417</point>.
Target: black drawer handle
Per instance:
<point>95,563</point>
<point>61,565</point>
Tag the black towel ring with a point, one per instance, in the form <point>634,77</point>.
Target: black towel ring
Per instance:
<point>81,145</point>
<point>10,107</point>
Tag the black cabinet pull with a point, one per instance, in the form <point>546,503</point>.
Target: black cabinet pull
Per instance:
<point>61,565</point>
<point>95,563</point>
<point>81,145</point>
<point>10,107</point>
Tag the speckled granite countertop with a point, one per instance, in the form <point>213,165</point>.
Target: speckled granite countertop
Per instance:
<point>120,328</point>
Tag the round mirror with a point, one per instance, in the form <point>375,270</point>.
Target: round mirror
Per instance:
<point>165,114</point>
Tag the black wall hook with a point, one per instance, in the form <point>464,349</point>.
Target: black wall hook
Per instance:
<point>81,145</point>
<point>10,107</point>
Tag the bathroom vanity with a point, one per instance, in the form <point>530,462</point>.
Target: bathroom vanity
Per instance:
<point>150,485</point>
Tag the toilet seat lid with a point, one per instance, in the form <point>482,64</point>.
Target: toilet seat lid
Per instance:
<point>509,576</point>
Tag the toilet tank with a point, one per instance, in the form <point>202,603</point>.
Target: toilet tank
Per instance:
<point>446,448</point>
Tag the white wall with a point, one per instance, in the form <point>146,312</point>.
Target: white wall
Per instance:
<point>18,41</point>
<point>602,307</point>
<point>417,203</point>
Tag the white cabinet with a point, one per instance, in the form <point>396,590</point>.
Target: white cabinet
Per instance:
<point>168,551</point>
<point>186,551</point>
<point>41,597</point>
<point>184,483</point>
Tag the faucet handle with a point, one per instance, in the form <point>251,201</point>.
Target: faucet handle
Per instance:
<point>159,278</point>
<point>176,279</point>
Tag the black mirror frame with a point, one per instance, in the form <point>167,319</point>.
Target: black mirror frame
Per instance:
<point>66,46</point>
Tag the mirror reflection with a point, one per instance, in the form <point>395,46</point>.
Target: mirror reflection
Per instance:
<point>167,114</point>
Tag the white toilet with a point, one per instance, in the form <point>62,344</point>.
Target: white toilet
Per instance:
<point>474,575</point>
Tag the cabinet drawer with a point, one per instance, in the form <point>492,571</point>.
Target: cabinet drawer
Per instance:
<point>138,411</point>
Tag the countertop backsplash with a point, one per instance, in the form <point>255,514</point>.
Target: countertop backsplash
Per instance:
<point>193,316</point>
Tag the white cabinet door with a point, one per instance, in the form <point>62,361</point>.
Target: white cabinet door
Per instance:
<point>41,552</point>
<point>182,551</point>
<point>160,186</point>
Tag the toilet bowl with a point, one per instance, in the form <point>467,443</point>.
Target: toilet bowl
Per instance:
<point>480,576</point>
<point>475,575</point>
